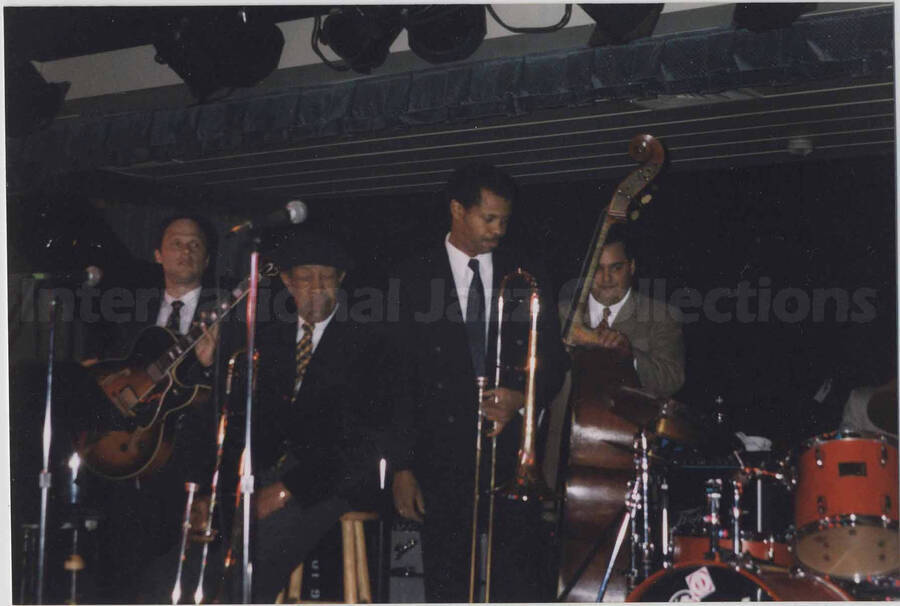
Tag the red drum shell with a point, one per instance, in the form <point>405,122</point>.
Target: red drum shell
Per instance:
<point>687,548</point>
<point>735,585</point>
<point>845,505</point>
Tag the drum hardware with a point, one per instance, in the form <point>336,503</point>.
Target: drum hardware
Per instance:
<point>637,498</point>
<point>647,547</point>
<point>736,517</point>
<point>631,507</point>
<point>665,533</point>
<point>770,552</point>
<point>737,541</point>
<point>819,461</point>
<point>713,497</point>
<point>797,572</point>
<point>884,451</point>
<point>759,504</point>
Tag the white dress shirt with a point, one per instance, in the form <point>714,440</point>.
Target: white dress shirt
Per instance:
<point>186,315</point>
<point>596,308</point>
<point>318,329</point>
<point>462,277</point>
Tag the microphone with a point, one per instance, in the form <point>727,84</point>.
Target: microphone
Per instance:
<point>291,213</point>
<point>89,276</point>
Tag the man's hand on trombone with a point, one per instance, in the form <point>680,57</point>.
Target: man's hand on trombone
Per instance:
<point>500,405</point>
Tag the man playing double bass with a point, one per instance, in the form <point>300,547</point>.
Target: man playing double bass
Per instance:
<point>640,342</point>
<point>621,319</point>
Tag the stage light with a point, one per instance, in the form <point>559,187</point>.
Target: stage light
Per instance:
<point>220,50</point>
<point>31,102</point>
<point>621,23</point>
<point>362,35</point>
<point>442,33</point>
<point>759,17</point>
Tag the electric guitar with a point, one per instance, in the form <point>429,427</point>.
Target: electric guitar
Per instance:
<point>129,435</point>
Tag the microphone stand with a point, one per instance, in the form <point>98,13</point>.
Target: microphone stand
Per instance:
<point>382,475</point>
<point>246,463</point>
<point>44,478</point>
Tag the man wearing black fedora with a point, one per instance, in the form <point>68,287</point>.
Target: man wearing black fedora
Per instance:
<point>314,455</point>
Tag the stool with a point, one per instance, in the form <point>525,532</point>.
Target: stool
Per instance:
<point>357,585</point>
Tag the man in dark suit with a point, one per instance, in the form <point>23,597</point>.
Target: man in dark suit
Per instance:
<point>313,453</point>
<point>447,331</point>
<point>143,516</point>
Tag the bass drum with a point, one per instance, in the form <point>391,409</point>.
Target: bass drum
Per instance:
<point>708,581</point>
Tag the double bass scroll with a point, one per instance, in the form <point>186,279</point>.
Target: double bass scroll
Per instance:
<point>649,151</point>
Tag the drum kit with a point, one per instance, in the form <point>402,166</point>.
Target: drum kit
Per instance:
<point>819,523</point>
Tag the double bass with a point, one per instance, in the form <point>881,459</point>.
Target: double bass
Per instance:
<point>600,460</point>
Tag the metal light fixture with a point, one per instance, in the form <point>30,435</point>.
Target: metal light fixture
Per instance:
<point>213,50</point>
<point>621,23</point>
<point>362,35</point>
<point>442,33</point>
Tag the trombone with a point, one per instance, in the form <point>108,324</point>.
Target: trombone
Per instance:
<point>527,482</point>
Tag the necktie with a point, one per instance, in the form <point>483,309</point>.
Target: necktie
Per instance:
<point>304,355</point>
<point>174,321</point>
<point>604,322</point>
<point>475,318</point>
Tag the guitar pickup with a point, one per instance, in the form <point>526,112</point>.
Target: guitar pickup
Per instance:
<point>126,399</point>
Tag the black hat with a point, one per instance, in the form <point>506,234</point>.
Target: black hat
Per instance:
<point>308,248</point>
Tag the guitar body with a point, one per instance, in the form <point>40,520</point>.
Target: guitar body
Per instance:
<point>128,435</point>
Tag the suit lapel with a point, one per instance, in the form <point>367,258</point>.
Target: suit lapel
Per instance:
<point>452,327</point>
<point>327,356</point>
<point>626,315</point>
<point>153,307</point>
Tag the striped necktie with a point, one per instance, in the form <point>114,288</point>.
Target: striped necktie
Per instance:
<point>604,322</point>
<point>304,355</point>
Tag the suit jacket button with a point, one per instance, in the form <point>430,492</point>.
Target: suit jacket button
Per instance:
<point>437,349</point>
<point>440,385</point>
<point>451,419</point>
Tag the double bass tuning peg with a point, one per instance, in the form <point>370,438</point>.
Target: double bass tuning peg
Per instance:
<point>646,198</point>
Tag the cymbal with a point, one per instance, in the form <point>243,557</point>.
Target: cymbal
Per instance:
<point>882,407</point>
<point>663,417</point>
